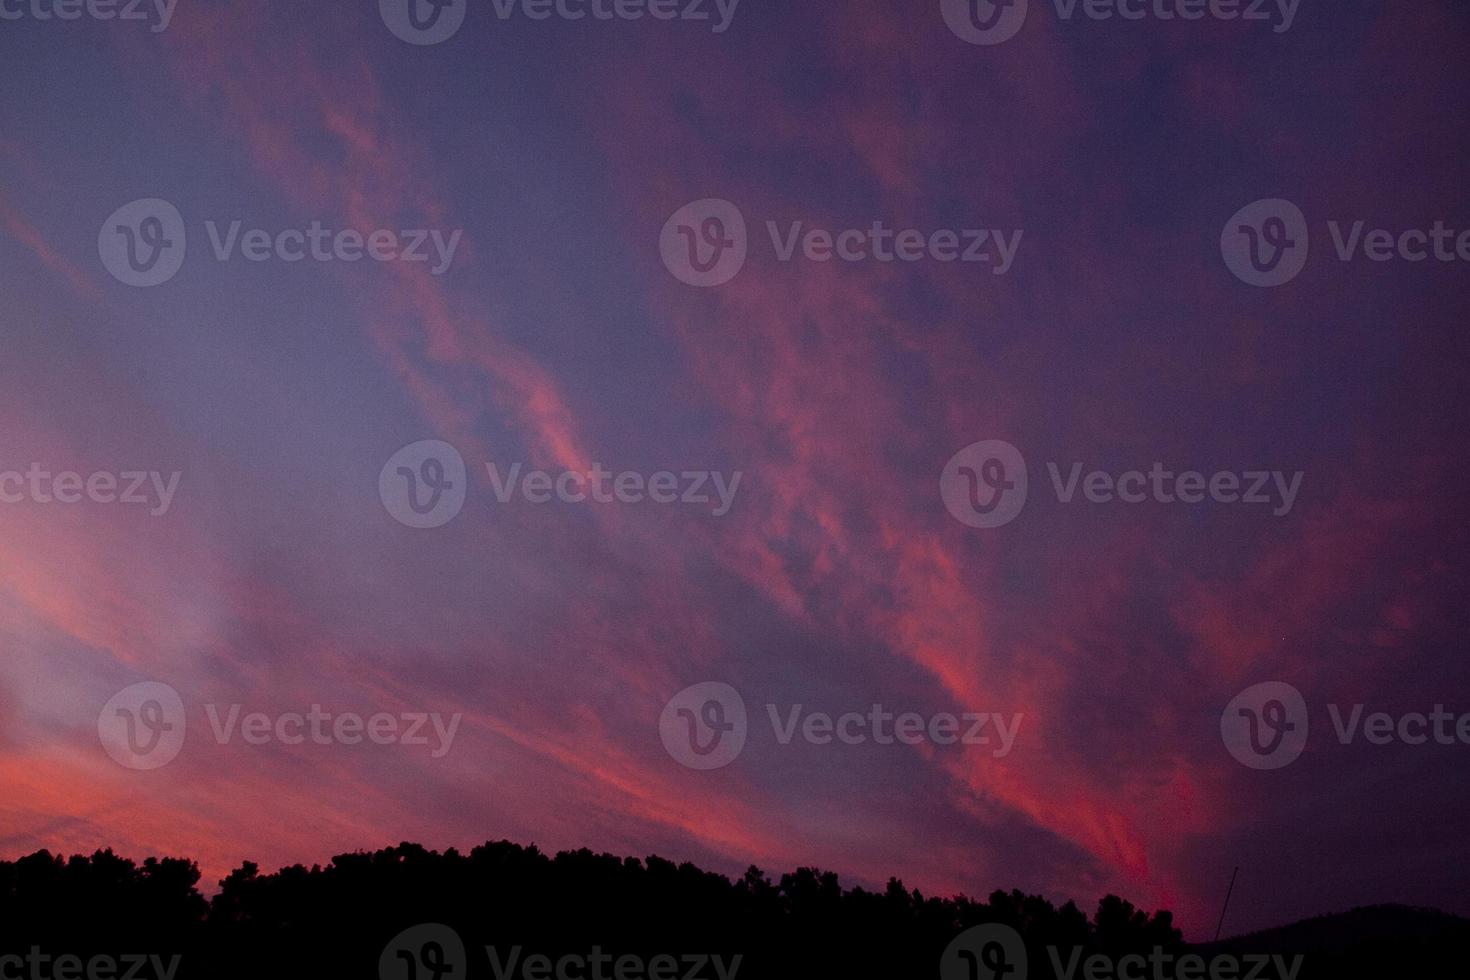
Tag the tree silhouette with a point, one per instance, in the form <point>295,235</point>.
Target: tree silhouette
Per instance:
<point>338,920</point>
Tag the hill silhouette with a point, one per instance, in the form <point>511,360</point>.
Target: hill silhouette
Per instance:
<point>1378,940</point>
<point>503,910</point>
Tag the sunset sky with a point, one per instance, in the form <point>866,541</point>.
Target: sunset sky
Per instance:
<point>276,579</point>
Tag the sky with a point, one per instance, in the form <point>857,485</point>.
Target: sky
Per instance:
<point>916,527</point>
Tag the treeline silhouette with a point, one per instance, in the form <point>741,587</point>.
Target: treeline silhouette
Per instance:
<point>341,920</point>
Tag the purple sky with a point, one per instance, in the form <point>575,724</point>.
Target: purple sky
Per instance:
<point>1118,337</point>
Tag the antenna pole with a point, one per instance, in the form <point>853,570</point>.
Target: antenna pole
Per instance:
<point>1228,892</point>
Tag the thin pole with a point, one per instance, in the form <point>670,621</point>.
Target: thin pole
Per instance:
<point>1228,892</point>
